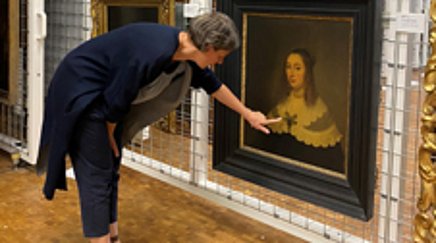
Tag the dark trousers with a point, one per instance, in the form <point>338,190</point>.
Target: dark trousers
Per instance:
<point>97,174</point>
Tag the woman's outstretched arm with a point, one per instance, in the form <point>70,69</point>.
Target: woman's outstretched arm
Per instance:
<point>256,119</point>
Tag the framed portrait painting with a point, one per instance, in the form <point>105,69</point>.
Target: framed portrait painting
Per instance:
<point>314,64</point>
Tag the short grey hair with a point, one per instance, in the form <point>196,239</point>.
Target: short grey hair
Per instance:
<point>215,29</point>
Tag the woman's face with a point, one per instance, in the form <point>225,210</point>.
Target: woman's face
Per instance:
<point>212,57</point>
<point>295,71</point>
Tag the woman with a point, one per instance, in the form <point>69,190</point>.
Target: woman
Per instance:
<point>110,87</point>
<point>307,127</point>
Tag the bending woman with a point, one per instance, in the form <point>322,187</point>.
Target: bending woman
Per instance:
<point>110,87</point>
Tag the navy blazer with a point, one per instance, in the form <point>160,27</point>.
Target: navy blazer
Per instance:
<point>112,67</point>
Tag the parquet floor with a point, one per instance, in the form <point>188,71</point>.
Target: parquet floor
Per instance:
<point>150,211</point>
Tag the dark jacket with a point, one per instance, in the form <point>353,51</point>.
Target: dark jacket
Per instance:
<point>111,68</point>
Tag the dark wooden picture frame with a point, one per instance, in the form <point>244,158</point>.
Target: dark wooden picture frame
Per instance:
<point>340,40</point>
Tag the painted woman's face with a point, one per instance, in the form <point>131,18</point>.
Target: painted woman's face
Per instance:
<point>295,71</point>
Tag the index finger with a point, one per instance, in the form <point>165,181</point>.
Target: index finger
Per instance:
<point>273,120</point>
<point>263,129</point>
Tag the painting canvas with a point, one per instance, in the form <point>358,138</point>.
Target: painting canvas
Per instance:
<point>314,64</point>
<point>122,15</point>
<point>313,130</point>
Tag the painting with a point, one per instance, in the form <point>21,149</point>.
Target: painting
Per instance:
<point>313,64</point>
<point>302,86</point>
<point>110,14</point>
<point>9,51</point>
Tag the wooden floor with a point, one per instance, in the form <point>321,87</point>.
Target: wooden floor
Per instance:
<point>149,211</point>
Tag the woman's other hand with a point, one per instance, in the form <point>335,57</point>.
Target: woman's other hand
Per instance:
<point>110,130</point>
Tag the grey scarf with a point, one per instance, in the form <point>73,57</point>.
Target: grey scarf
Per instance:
<point>155,100</point>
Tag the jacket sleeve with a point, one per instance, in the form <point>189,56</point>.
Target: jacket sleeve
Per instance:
<point>204,78</point>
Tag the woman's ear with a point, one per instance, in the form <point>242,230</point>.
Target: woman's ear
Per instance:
<point>209,47</point>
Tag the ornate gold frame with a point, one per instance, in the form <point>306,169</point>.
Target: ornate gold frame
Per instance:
<point>13,36</point>
<point>424,223</point>
<point>99,11</point>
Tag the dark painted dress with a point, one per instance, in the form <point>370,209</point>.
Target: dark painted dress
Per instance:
<point>307,134</point>
<point>110,69</point>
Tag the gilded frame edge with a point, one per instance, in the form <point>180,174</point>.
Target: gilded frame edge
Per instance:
<point>166,10</point>
<point>424,220</point>
<point>10,96</point>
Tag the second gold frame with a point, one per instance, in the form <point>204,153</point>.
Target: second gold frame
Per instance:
<point>100,11</point>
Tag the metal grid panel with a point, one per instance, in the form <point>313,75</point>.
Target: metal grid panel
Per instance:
<point>398,149</point>
<point>165,150</point>
<point>68,24</point>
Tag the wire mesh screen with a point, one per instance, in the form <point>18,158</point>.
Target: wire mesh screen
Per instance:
<point>68,24</point>
<point>167,142</point>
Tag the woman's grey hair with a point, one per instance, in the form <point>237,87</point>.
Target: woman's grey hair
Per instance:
<point>215,29</point>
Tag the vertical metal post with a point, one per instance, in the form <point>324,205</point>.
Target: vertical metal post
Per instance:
<point>37,22</point>
<point>199,123</point>
<point>199,130</point>
<point>390,54</point>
